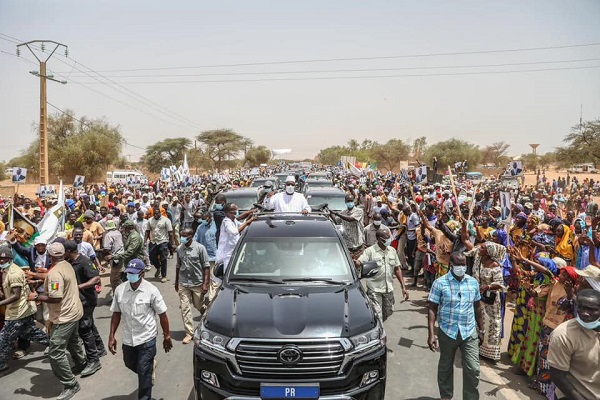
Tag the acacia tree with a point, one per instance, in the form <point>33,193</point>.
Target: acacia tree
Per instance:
<point>75,147</point>
<point>221,146</point>
<point>495,153</point>
<point>583,144</point>
<point>165,153</point>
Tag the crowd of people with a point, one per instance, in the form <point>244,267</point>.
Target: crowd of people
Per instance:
<point>540,263</point>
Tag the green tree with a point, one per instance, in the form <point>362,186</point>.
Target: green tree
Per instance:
<point>390,154</point>
<point>257,155</point>
<point>582,145</point>
<point>331,155</point>
<point>450,151</point>
<point>221,146</point>
<point>530,161</point>
<point>165,153</point>
<point>75,147</point>
<point>547,159</point>
<point>2,173</point>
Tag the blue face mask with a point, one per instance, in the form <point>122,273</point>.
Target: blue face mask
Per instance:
<point>184,240</point>
<point>5,265</point>
<point>203,222</point>
<point>133,278</point>
<point>219,207</point>
<point>350,205</point>
<point>588,325</point>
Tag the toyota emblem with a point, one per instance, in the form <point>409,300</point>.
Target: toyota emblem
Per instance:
<point>290,355</point>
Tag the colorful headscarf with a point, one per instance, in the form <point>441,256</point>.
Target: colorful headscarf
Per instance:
<point>572,274</point>
<point>564,247</point>
<point>535,219</point>
<point>495,251</point>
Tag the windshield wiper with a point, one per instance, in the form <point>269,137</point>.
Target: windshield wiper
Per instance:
<point>261,280</point>
<point>309,279</point>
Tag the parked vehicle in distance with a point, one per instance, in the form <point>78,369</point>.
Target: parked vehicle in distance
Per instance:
<point>244,198</point>
<point>291,320</point>
<point>475,177</point>
<point>126,177</point>
<point>585,168</point>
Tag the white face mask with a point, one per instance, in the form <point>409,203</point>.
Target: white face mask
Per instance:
<point>289,189</point>
<point>459,270</point>
<point>376,223</point>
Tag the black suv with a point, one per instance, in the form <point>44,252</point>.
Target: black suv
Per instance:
<point>291,320</point>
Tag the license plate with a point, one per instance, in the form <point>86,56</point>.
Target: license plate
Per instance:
<point>275,391</point>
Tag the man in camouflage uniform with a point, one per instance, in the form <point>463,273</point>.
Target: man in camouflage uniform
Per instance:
<point>19,310</point>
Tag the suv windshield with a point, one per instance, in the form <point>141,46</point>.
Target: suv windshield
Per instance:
<point>289,258</point>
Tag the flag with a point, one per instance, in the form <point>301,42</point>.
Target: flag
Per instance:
<point>185,168</point>
<point>355,171</point>
<point>53,220</point>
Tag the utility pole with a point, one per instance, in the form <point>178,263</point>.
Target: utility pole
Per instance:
<point>44,173</point>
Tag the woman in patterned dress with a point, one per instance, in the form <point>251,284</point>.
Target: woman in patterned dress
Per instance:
<point>525,356</point>
<point>487,270</point>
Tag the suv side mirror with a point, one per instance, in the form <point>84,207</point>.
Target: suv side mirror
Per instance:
<point>219,270</point>
<point>369,269</point>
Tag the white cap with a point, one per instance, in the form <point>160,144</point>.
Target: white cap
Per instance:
<point>290,178</point>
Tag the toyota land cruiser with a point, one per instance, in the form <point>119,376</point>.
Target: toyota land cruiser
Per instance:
<point>291,320</point>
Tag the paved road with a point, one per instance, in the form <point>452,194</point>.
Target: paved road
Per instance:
<point>411,366</point>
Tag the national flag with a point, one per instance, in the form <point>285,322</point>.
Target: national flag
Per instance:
<point>54,285</point>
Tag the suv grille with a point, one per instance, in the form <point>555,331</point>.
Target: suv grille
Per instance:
<point>320,359</point>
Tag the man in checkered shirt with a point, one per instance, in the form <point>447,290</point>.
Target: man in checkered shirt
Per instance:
<point>454,301</point>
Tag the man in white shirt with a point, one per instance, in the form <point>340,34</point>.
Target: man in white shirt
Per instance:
<point>137,302</point>
<point>230,234</point>
<point>289,200</point>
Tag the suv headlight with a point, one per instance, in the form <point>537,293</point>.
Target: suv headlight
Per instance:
<point>372,339</point>
<point>210,341</point>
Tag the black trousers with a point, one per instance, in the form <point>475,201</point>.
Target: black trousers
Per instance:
<point>411,245</point>
<point>162,250</point>
<point>140,359</point>
<point>92,342</point>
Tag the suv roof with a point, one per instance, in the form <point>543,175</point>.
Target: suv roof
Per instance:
<point>291,225</point>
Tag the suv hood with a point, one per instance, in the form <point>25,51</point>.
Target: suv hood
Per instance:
<point>280,311</point>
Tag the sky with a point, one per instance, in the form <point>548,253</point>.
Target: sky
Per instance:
<point>370,81</point>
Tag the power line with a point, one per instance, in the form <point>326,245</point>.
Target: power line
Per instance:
<point>89,125</point>
<point>356,70</point>
<point>135,96</point>
<point>360,58</point>
<point>146,103</point>
<point>183,121</point>
<point>365,76</point>
<point>19,58</point>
